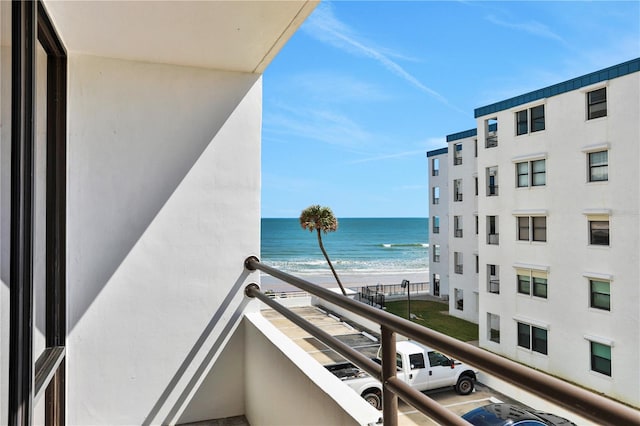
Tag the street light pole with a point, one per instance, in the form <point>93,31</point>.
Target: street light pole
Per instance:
<point>405,283</point>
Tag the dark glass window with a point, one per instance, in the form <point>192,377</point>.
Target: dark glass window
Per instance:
<point>524,284</point>
<point>524,335</point>
<point>599,232</point>
<point>522,124</point>
<point>600,294</point>
<point>598,166</point>
<point>523,228</point>
<point>601,358</point>
<point>437,359</point>
<point>540,287</point>
<point>539,340</point>
<point>416,361</point>
<point>539,228</point>
<point>597,103</point>
<point>537,118</point>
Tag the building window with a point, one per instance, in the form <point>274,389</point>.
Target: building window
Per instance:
<point>598,166</point>
<point>477,264</point>
<point>530,120</point>
<point>435,166</point>
<point>493,237</point>
<point>532,282</point>
<point>477,224</point>
<point>457,154</point>
<point>459,296</point>
<point>491,132</point>
<point>597,104</point>
<point>531,173</point>
<point>457,262</point>
<point>601,358</point>
<point>532,228</point>
<point>493,279</point>
<point>533,338</point>
<point>435,195</point>
<point>435,225</point>
<point>436,284</point>
<point>436,252</point>
<point>493,325</point>
<point>457,226</point>
<point>492,181</point>
<point>475,148</point>
<point>599,232</point>
<point>600,294</point>
<point>457,190</point>
<point>476,185</point>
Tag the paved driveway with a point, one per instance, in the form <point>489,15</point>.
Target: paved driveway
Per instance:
<point>368,344</point>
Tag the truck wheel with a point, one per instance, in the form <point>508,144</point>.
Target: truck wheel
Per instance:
<point>464,385</point>
<point>373,397</point>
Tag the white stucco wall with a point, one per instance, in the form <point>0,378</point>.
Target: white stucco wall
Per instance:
<point>567,254</point>
<point>163,208</point>
<point>286,386</point>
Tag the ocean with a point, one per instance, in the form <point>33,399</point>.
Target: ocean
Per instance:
<point>364,246</point>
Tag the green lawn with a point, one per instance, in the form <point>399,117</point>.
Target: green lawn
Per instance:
<point>434,315</point>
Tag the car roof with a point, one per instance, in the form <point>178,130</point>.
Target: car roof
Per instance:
<point>499,415</point>
<point>509,414</point>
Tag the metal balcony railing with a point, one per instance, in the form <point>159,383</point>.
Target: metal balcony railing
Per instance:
<point>457,196</point>
<point>436,229</point>
<point>492,140</point>
<point>457,233</point>
<point>494,286</point>
<point>457,269</point>
<point>584,403</point>
<point>493,239</point>
<point>492,190</point>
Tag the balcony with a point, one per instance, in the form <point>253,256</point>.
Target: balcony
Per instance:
<point>457,196</point>
<point>457,269</point>
<point>436,201</point>
<point>494,285</point>
<point>457,233</point>
<point>492,190</point>
<point>436,230</point>
<point>492,140</point>
<point>493,239</point>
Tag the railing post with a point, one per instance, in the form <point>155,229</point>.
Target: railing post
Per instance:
<point>389,398</point>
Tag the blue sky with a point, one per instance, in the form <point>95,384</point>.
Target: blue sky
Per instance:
<point>363,90</point>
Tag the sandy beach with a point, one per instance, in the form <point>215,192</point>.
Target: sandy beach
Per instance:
<point>348,280</point>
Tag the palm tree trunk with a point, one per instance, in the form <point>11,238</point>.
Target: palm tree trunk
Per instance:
<point>326,256</point>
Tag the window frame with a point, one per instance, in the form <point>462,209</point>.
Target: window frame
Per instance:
<point>592,112</point>
<point>527,339</point>
<point>527,176</point>
<point>530,120</point>
<point>592,236</point>
<point>594,358</point>
<point>457,154</point>
<point>532,283</point>
<point>593,293</point>
<point>533,228</point>
<point>591,176</point>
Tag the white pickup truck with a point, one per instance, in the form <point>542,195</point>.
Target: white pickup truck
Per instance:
<point>419,366</point>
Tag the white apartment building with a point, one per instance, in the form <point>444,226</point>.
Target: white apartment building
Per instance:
<point>558,212</point>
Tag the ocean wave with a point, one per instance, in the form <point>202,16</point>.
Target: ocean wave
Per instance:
<point>389,245</point>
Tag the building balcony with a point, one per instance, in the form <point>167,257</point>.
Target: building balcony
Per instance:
<point>493,239</point>
<point>492,140</point>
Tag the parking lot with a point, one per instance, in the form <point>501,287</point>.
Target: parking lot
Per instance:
<point>368,345</point>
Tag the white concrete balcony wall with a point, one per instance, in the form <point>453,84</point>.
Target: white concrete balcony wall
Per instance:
<point>163,208</point>
<point>286,386</point>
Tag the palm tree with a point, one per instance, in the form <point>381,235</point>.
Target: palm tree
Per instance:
<point>321,219</point>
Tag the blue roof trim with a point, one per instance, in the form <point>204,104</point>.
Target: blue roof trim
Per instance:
<point>615,71</point>
<point>462,135</point>
<point>437,152</point>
